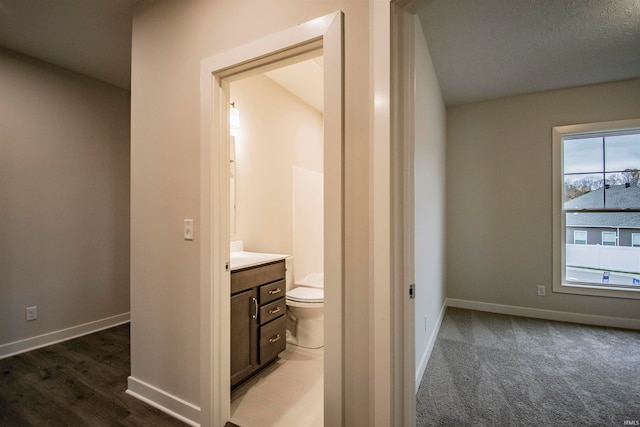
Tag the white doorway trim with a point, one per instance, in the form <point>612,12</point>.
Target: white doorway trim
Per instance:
<point>403,119</point>
<point>215,74</point>
<point>393,369</point>
<point>393,115</point>
<point>402,155</point>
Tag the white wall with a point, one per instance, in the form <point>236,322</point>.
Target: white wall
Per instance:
<point>64,201</point>
<point>169,40</point>
<point>279,132</point>
<point>430,126</point>
<point>499,206</point>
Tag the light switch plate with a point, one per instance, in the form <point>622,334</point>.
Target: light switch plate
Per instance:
<point>188,229</point>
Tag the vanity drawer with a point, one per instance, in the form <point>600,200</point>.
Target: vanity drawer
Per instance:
<point>272,291</point>
<point>273,339</point>
<point>256,276</point>
<point>272,310</point>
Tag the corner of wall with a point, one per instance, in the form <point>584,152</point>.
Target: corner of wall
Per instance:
<point>163,401</point>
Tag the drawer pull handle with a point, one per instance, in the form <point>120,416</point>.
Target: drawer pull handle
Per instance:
<point>274,339</point>
<point>275,291</point>
<point>255,305</point>
<point>275,310</point>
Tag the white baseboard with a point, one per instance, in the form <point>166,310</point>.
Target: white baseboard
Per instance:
<point>562,316</point>
<point>167,403</point>
<point>28,344</point>
<point>422,366</point>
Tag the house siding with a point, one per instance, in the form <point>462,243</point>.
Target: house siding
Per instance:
<point>594,235</point>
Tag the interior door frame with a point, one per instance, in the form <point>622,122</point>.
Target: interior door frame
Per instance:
<point>403,88</point>
<point>394,135</point>
<point>215,74</point>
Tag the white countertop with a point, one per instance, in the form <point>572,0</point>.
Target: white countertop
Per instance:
<point>242,259</point>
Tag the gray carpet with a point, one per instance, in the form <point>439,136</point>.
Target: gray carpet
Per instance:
<point>497,370</point>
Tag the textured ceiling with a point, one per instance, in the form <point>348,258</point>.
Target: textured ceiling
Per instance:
<point>495,48</point>
<point>92,37</point>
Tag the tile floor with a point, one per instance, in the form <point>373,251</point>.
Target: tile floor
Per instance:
<point>288,393</point>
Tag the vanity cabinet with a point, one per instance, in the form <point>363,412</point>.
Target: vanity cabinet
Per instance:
<point>243,334</point>
<point>258,323</point>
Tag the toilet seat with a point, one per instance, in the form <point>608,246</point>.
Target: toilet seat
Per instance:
<point>304,296</point>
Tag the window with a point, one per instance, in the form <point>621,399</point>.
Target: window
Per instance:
<point>580,237</point>
<point>609,238</point>
<point>597,187</point>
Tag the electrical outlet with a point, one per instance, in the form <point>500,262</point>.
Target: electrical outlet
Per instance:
<point>31,313</point>
<point>542,291</point>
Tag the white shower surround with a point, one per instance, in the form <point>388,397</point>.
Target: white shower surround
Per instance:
<point>308,223</point>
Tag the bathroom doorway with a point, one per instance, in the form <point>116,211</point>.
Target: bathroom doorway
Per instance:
<point>293,45</point>
<point>277,207</point>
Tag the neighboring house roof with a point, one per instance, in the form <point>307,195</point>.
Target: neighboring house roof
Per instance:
<point>617,196</point>
<point>603,219</point>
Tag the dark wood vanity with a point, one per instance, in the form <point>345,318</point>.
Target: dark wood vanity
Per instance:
<point>258,328</point>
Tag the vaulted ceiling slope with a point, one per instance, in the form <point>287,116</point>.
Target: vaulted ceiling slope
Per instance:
<point>496,48</point>
<point>91,37</point>
<point>481,49</point>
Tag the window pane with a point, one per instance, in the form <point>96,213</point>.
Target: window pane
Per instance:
<point>620,194</point>
<point>609,256</point>
<point>582,155</point>
<point>583,191</point>
<point>622,153</point>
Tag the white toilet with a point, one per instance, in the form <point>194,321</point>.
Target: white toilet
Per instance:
<point>305,308</point>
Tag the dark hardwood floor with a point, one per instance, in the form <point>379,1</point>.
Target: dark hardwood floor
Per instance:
<point>80,382</point>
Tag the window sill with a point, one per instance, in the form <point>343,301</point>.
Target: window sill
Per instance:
<point>599,291</point>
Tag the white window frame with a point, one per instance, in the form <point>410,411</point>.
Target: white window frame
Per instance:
<point>635,240</point>
<point>559,218</point>
<point>575,238</point>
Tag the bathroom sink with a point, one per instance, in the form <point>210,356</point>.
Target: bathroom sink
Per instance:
<point>242,259</point>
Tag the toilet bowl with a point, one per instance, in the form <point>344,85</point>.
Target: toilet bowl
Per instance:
<point>305,309</point>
